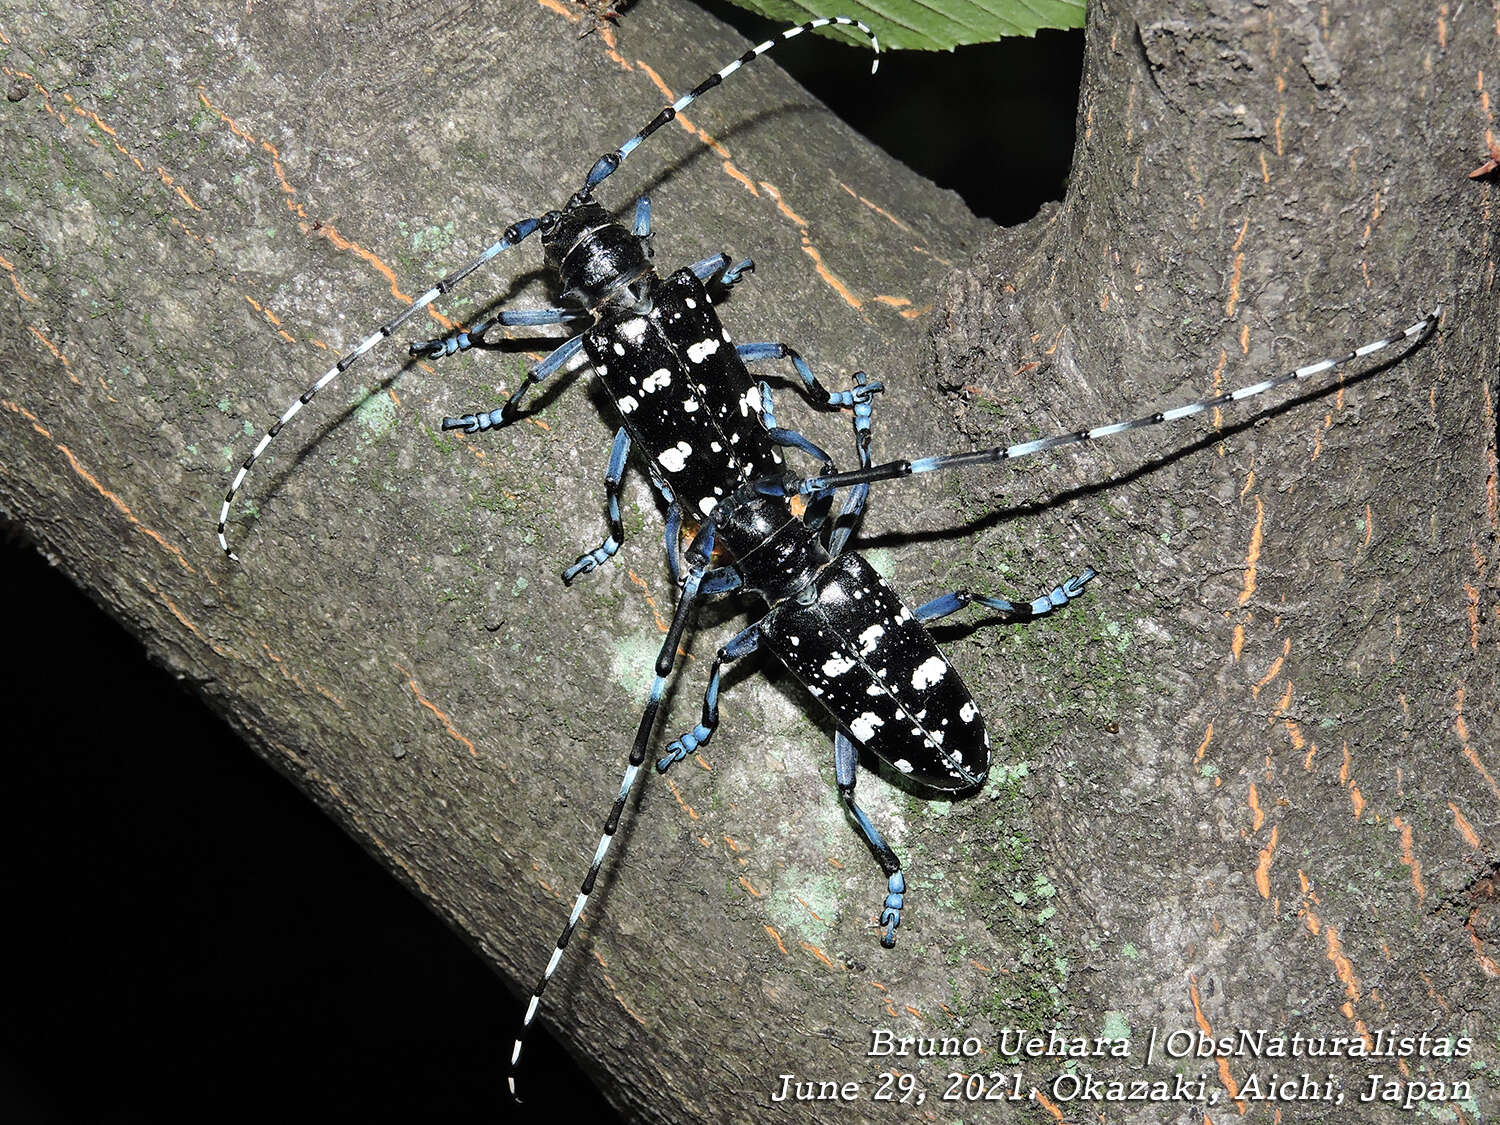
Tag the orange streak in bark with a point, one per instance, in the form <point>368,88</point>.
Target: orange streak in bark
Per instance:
<point>1225,1077</point>
<point>1263,868</point>
<point>1252,556</point>
<point>1408,857</point>
<point>427,703</point>
<point>1465,829</point>
<point>1462,729</point>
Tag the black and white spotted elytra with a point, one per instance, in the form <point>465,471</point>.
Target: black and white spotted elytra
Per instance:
<point>707,434</point>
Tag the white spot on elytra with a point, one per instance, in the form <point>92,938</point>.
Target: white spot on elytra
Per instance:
<point>690,303</point>
<point>716,447</point>
<point>707,505</point>
<point>902,764</point>
<point>933,669</point>
<point>702,350</point>
<point>675,457</point>
<point>968,711</point>
<point>659,378</point>
<point>627,404</point>
<point>689,405</point>
<point>749,402</point>
<point>633,330</point>
<point>870,638</point>
<point>837,665</point>
<point>863,728</point>
<point>619,348</point>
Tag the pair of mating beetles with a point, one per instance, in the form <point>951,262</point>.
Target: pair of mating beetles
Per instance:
<point>706,433</point>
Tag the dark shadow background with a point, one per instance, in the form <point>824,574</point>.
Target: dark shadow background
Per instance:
<point>177,956</point>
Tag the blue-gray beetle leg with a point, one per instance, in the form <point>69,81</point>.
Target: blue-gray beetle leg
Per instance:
<point>612,478</point>
<point>1060,595</point>
<point>442,346</point>
<point>845,769</point>
<point>505,415</point>
<point>741,644</point>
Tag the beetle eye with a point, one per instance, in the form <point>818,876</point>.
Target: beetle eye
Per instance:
<point>549,221</point>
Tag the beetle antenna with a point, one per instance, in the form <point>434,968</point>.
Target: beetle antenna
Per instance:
<point>783,486</point>
<point>605,166</point>
<point>513,234</point>
<point>703,543</point>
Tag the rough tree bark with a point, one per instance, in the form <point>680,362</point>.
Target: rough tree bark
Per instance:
<point>1247,783</point>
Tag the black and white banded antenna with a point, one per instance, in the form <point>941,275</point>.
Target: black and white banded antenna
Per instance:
<point>664,662</point>
<point>513,234</point>
<point>606,165</point>
<point>891,470</point>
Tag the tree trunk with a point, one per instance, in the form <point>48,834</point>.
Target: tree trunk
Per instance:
<point>1247,782</point>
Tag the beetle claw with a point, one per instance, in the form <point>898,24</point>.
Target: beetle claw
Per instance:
<point>680,748</point>
<point>469,424</point>
<point>890,914</point>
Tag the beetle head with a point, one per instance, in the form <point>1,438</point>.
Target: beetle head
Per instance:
<point>600,261</point>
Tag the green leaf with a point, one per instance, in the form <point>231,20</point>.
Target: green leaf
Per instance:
<point>930,25</point>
